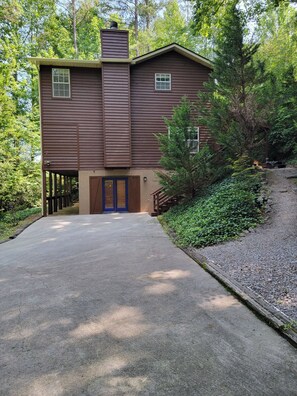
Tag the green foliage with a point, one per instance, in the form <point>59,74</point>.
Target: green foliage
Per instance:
<point>9,221</point>
<point>283,134</point>
<point>209,14</point>
<point>224,212</point>
<point>173,27</point>
<point>19,184</point>
<point>237,103</point>
<point>13,217</point>
<point>187,171</point>
<point>277,35</point>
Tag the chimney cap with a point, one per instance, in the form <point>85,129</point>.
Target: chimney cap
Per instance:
<point>113,25</point>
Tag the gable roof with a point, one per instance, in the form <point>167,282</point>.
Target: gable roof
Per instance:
<point>177,48</point>
<point>98,62</point>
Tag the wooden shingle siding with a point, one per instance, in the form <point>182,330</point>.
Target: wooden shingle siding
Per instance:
<point>116,115</point>
<point>84,110</point>
<point>115,43</point>
<point>148,107</point>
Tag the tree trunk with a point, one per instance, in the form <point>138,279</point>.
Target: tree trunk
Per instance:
<point>136,24</point>
<point>74,27</point>
<point>147,16</point>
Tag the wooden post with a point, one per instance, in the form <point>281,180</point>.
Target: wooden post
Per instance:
<point>44,203</point>
<point>66,191</point>
<point>55,193</point>
<point>70,189</point>
<point>50,202</point>
<point>60,192</point>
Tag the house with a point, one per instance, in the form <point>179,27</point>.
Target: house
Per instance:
<point>99,119</point>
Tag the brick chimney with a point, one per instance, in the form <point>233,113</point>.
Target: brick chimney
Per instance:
<point>114,42</point>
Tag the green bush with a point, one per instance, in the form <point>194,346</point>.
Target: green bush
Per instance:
<point>14,217</point>
<point>227,209</point>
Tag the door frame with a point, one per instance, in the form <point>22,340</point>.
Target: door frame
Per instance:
<point>114,178</point>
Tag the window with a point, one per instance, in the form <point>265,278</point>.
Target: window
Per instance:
<point>193,143</point>
<point>162,82</point>
<point>61,83</point>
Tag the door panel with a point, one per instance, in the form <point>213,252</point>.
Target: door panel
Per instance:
<point>109,194</point>
<point>95,194</point>
<point>134,193</point>
<point>121,194</point>
<point>115,194</point>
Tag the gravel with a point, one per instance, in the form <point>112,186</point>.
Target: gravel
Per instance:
<point>265,259</point>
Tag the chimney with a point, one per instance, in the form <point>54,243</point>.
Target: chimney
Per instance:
<point>116,97</point>
<point>114,42</point>
<point>113,25</point>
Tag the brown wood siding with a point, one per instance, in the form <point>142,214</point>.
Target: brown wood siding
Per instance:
<point>116,115</point>
<point>148,107</point>
<point>114,43</point>
<point>134,194</point>
<point>95,194</point>
<point>83,109</point>
<point>63,156</point>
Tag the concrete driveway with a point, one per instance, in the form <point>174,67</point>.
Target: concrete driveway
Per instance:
<point>107,305</point>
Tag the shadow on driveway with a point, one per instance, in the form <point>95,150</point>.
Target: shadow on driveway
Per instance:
<point>107,305</point>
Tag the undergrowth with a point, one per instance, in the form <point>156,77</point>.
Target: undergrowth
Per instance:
<point>11,219</point>
<point>223,213</point>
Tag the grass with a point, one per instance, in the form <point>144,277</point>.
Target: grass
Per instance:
<point>13,220</point>
<point>223,213</point>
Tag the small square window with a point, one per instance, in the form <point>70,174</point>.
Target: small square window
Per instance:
<point>162,82</point>
<point>61,83</point>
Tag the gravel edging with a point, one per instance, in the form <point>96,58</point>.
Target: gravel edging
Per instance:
<point>264,259</point>
<point>271,315</point>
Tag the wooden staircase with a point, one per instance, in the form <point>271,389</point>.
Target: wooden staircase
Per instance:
<point>163,202</point>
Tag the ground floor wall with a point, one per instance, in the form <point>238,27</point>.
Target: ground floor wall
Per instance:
<point>148,184</point>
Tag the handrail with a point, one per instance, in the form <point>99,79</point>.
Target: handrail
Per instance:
<point>162,201</point>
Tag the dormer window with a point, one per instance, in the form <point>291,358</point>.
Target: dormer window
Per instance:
<point>61,83</point>
<point>162,82</point>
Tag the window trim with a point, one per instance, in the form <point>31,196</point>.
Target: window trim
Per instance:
<point>195,140</point>
<point>191,140</point>
<point>55,82</point>
<point>162,90</point>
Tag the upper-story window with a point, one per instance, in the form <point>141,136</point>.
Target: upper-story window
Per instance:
<point>61,83</point>
<point>163,82</point>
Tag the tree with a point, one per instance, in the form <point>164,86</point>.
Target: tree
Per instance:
<point>172,27</point>
<point>283,134</point>
<point>237,105</point>
<point>186,171</point>
<point>277,35</point>
<point>208,14</point>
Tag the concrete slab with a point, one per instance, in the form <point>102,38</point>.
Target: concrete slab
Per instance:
<point>107,305</point>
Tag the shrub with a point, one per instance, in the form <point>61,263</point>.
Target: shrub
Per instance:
<point>226,210</point>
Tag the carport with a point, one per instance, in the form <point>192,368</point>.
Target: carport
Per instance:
<point>60,190</point>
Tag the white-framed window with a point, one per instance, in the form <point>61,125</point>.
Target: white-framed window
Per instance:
<point>162,82</point>
<point>192,143</point>
<point>61,83</point>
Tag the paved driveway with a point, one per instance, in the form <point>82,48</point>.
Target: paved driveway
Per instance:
<point>107,305</point>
